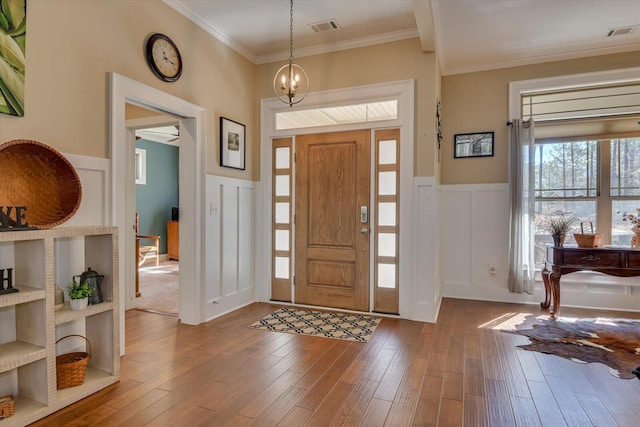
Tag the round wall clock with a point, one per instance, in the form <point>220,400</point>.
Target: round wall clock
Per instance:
<point>163,57</point>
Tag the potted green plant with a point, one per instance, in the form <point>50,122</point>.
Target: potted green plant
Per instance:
<point>559,226</point>
<point>79,294</point>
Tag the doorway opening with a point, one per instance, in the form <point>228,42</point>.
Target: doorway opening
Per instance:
<point>157,228</point>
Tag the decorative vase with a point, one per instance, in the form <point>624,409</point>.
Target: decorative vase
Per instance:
<point>79,304</point>
<point>59,298</point>
<point>635,239</point>
<point>558,239</point>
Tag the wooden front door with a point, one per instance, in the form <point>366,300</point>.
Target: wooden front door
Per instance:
<point>332,239</point>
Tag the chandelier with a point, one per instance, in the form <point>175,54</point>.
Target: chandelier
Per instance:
<point>291,83</point>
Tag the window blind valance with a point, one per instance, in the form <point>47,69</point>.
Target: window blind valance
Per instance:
<point>611,111</point>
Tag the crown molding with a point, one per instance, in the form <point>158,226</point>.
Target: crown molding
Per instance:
<point>344,45</point>
<point>215,32</point>
<point>284,55</point>
<point>540,57</point>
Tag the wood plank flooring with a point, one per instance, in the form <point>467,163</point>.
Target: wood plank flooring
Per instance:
<point>458,371</point>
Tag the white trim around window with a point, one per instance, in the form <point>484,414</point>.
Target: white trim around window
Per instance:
<point>141,166</point>
<point>518,88</point>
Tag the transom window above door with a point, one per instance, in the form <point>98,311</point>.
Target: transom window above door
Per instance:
<point>340,115</point>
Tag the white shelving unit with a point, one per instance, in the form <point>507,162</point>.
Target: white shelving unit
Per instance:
<point>29,324</point>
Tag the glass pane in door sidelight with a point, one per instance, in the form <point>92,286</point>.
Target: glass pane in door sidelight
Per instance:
<point>282,185</point>
<point>387,152</point>
<point>282,268</point>
<point>386,214</point>
<point>386,276</point>
<point>282,240</point>
<point>387,183</point>
<point>387,244</point>
<point>282,213</point>
<point>283,155</point>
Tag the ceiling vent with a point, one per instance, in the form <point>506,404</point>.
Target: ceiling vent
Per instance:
<point>622,31</point>
<point>329,25</point>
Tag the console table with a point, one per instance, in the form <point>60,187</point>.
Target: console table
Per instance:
<point>615,261</point>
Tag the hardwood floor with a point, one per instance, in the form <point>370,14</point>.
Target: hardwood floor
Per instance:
<point>456,372</point>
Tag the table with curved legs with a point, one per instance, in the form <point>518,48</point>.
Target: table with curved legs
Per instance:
<point>615,261</point>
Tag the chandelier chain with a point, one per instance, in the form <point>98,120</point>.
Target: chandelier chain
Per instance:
<point>291,33</point>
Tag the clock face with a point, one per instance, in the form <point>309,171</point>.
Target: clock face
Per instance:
<point>164,58</point>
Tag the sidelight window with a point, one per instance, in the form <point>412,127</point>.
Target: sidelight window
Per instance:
<point>386,230</point>
<point>282,221</point>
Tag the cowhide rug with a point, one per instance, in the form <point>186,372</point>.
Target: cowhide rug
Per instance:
<point>614,342</point>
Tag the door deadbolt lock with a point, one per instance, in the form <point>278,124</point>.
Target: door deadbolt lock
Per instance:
<point>364,214</point>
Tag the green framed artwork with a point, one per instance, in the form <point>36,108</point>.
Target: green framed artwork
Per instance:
<point>13,31</point>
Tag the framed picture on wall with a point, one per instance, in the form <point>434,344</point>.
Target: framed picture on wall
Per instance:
<point>473,145</point>
<point>232,144</point>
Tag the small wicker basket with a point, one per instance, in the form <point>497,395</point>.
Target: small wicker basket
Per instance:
<point>587,240</point>
<point>72,367</point>
<point>7,406</point>
<point>38,177</point>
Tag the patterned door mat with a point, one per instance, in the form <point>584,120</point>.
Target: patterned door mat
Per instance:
<point>350,327</point>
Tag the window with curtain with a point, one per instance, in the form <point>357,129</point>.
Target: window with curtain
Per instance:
<point>594,180</point>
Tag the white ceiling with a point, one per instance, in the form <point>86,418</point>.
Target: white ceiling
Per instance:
<point>468,35</point>
<point>163,134</point>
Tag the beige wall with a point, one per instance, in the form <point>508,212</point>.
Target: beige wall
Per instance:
<point>436,149</point>
<point>72,45</point>
<point>394,61</point>
<point>477,102</point>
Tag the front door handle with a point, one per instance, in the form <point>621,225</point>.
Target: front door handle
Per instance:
<point>364,230</point>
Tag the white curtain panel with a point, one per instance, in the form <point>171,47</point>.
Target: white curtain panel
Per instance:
<point>522,198</point>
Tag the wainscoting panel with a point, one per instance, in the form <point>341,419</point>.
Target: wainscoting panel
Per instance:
<point>95,205</point>
<point>489,236</point>
<point>246,207</point>
<point>228,232</point>
<point>456,237</point>
<point>474,222</point>
<point>426,302</point>
<point>474,244</point>
<point>229,245</point>
<point>95,180</point>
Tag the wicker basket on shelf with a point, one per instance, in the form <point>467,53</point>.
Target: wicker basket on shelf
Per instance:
<point>38,177</point>
<point>72,367</point>
<point>7,406</point>
<point>587,240</point>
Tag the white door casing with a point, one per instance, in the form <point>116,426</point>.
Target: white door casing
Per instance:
<point>403,91</point>
<point>192,167</point>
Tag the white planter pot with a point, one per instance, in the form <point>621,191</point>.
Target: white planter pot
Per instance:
<point>79,304</point>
